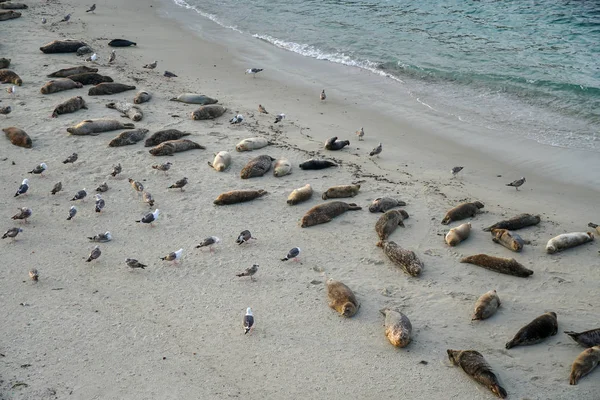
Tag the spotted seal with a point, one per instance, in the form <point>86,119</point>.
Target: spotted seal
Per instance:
<point>508,266</point>
<point>90,78</point>
<point>164,135</point>
<point>398,328</point>
<point>334,144</point>
<point>66,72</point>
<point>586,339</point>
<point>208,112</point>
<point>514,223</point>
<point>383,204</point>
<point>70,106</point>
<point>127,138</point>
<point>128,110</point>
<point>341,191</point>
<point>95,126</point>
<point>62,46</point>
<point>407,260</point>
<point>59,85</point>
<point>18,137</point>
<point>474,364</point>
<point>238,196</point>
<point>342,298</point>
<point>193,98</point>
<point>508,239</point>
<point>387,224</point>
<point>171,147</point>
<point>567,241</point>
<point>324,213</point>
<point>109,88</point>
<point>8,76</point>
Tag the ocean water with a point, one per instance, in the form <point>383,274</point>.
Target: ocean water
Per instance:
<point>530,68</point>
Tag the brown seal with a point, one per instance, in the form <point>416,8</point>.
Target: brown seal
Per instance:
<point>334,144</point>
<point>462,211</point>
<point>66,72</point>
<point>458,234</point>
<point>300,195</point>
<point>171,147</point>
<point>8,76</point>
<point>586,339</point>
<point>109,88</point>
<point>238,196</point>
<point>341,298</point>
<point>128,110</point>
<point>164,135</point>
<point>9,14</point>
<point>59,85</point>
<point>398,328</point>
<point>69,106</point>
<point>544,326</point>
<point>324,213</point>
<point>128,137</point>
<point>18,137</point>
<point>62,46</point>
<point>567,241</point>
<point>508,239</point>
<point>407,260</point>
<point>473,363</point>
<point>518,222</point>
<point>90,78</point>
<point>508,266</point>
<point>585,363</point>
<point>4,62</point>
<point>486,305</point>
<point>337,192</point>
<point>387,224</point>
<point>383,204</point>
<point>208,112</point>
<point>142,97</point>
<point>258,166</point>
<point>95,126</point>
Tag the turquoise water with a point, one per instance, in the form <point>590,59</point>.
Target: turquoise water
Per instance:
<point>527,67</point>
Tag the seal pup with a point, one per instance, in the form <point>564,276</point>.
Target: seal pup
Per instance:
<point>585,363</point>
<point>34,275</point>
<point>456,170</point>
<point>462,211</point>
<point>173,256</point>
<point>323,213</point>
<point>238,119</point>
<point>164,136</point>
<point>94,254</point>
<point>458,234</point>
<point>317,164</point>
<point>162,167</point>
<point>221,161</point>
<point>60,85</point>
<point>4,62</point>
<point>586,339</point>
<point>152,65</point>
<point>93,127</point>
<point>169,74</point>
<point>361,134</point>
<point>244,237</point>
<point>248,322</point>
<point>407,260</point>
<point>238,196</point>
<point>39,169</point>
<point>376,151</point>
<point>12,233</point>
<point>387,224</point>
<point>101,237</point>
<point>261,109</point>
<point>341,191</point>
<point>544,326</point>
<point>508,266</point>
<point>100,203</point>
<point>279,118</point>
<point>210,242</point>
<point>128,110</point>
<point>252,144</point>
<point>70,106</point>
<point>137,186</point>
<point>127,138</point>
<point>9,14</point>
<point>72,213</point>
<point>66,72</point>
<point>253,71</point>
<point>121,43</point>
<point>117,169</point>
<point>383,204</point>
<point>23,214</point>
<point>300,195</point>
<point>256,167</point>
<point>149,218</point>
<point>567,241</point>
<point>342,298</point>
<point>171,147</point>
<point>486,305</point>
<point>8,76</point>
<point>398,328</point>
<point>5,110</point>
<point>23,188</point>
<point>282,167</point>
<point>249,272</point>
<point>133,263</point>
<point>514,223</point>
<point>57,188</point>
<point>179,184</point>
<point>473,363</point>
<point>91,9</point>
<point>18,137</point>
<point>147,198</point>
<point>142,97</point>
<point>292,254</point>
<point>334,144</point>
<point>323,96</point>
<point>109,88</point>
<point>517,183</point>
<point>194,98</point>
<point>80,195</point>
<point>508,239</point>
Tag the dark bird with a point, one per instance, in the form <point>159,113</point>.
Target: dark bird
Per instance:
<point>253,71</point>
<point>244,236</point>
<point>39,169</point>
<point>116,170</point>
<point>72,213</point>
<point>456,170</point>
<point>71,159</point>
<point>57,188</point>
<point>12,233</point>
<point>113,56</point>
<point>92,9</point>
<point>162,167</point>
<point>23,188</point>
<point>103,187</point>
<point>209,241</point>
<point>376,151</point>
<point>80,195</point>
<point>5,110</point>
<point>179,184</point>
<point>23,214</point>
<point>249,272</point>
<point>169,74</point>
<point>94,254</point>
<point>149,218</point>
<point>133,263</point>
<point>248,320</point>
<point>292,254</point>
<point>517,183</point>
<point>101,237</point>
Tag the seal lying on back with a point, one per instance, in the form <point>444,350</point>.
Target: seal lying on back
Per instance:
<point>342,299</point>
<point>9,14</point>
<point>252,144</point>
<point>508,266</point>
<point>486,305</point>
<point>66,72</point>
<point>323,213</point>
<point>383,204</point>
<point>193,98</point>
<point>142,97</point>
<point>317,164</point>
<point>171,147</point>
<point>8,76</point>
<point>90,78</point>
<point>585,363</point>
<point>238,196</point>
<point>208,112</point>
<point>109,88</point>
<point>128,110</point>
<point>69,106</point>
<point>398,328</point>
<point>568,240</point>
<point>126,138</point>
<point>586,339</point>
<point>4,62</point>
<point>299,195</point>
<point>337,192</point>
<point>462,211</point>
<point>59,85</point>
<point>458,234</point>
<point>473,363</point>
<point>95,126</point>
<point>18,137</point>
<point>258,166</point>
<point>544,326</point>
<point>510,240</point>
<point>221,162</point>
<point>387,224</point>
<point>334,144</point>
<point>518,222</point>
<point>407,260</point>
<point>62,46</point>
<point>164,135</point>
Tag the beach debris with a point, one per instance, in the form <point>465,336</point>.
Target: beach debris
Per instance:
<point>117,169</point>
<point>113,56</point>
<point>5,110</point>
<point>71,159</point>
<point>323,96</point>
<point>169,74</point>
<point>66,18</point>
<point>152,65</point>
<point>34,274</point>
<point>103,187</point>
<point>456,170</point>
<point>163,167</point>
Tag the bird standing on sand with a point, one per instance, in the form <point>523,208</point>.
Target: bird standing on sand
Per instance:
<point>23,188</point>
<point>262,110</point>
<point>71,159</point>
<point>237,119</point>
<point>103,187</point>
<point>517,183</point>
<point>244,236</point>
<point>360,134</point>
<point>94,254</point>
<point>253,71</point>
<point>174,256</point>
<point>149,218</point>
<point>249,272</point>
<point>179,184</point>
<point>133,263</point>
<point>99,203</point>
<point>210,242</point>
<point>92,9</point>
<point>57,188</point>
<point>92,58</point>
<point>147,198</point>
<point>323,95</point>
<point>5,110</point>
<point>152,65</point>
<point>376,151</point>
<point>80,195</point>
<point>66,18</point>
<point>113,56</point>
<point>169,74</point>
<point>101,237</point>
<point>12,233</point>
<point>248,320</point>
<point>11,89</point>
<point>137,186</point>
<point>456,170</point>
<point>162,167</point>
<point>23,214</point>
<point>279,117</point>
<point>34,275</point>
<point>72,213</point>
<point>116,170</point>
<point>292,254</point>
<point>39,169</point>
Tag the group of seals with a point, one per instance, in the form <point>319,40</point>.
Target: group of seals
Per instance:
<point>300,195</point>
<point>544,326</point>
<point>462,211</point>
<point>208,112</point>
<point>62,46</point>
<point>407,260</point>
<point>323,213</point>
<point>342,298</point>
<point>383,204</point>
<point>458,234</point>
<point>8,76</point>
<point>18,137</point>
<point>59,85</point>
<point>171,147</point>
<point>568,240</point>
<point>252,144</point>
<point>221,162</point>
<point>387,224</point>
<point>126,138</point>
<point>508,266</point>
<point>238,196</point>
<point>128,110</point>
<point>164,135</point>
<point>334,144</point>
<point>256,167</point>
<point>474,364</point>
<point>66,72</point>
<point>337,192</point>
<point>317,164</point>
<point>109,88</point>
<point>193,98</point>
<point>69,106</point>
<point>94,127</point>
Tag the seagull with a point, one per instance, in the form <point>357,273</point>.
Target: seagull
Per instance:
<point>44,20</point>
<point>23,214</point>
<point>209,241</point>
<point>102,188</point>
<point>262,110</point>
<point>72,213</point>
<point>151,65</point>
<point>11,89</point>
<point>279,117</point>
<point>5,110</point>
<point>137,186</point>
<point>163,167</point>
<point>34,274</point>
<point>99,203</point>
<point>57,188</point>
<point>92,8</point>
<point>92,58</point>
<point>116,170</point>
<point>376,151</point>
<point>244,237</point>
<point>79,195</point>
<point>293,253</point>
<point>253,71</point>
<point>179,184</point>
<point>12,233</point>
<point>66,18</point>
<point>360,134</point>
<point>23,188</point>
<point>39,169</point>
<point>249,272</point>
<point>323,95</point>
<point>248,320</point>
<point>237,119</point>
<point>101,237</point>
<point>517,183</point>
<point>456,170</point>
<point>133,263</point>
<point>94,254</point>
<point>113,55</point>
<point>149,218</point>
<point>174,256</point>
<point>71,159</point>
<point>147,198</point>
<point>169,74</point>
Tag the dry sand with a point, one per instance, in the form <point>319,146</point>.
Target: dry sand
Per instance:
<point>101,331</point>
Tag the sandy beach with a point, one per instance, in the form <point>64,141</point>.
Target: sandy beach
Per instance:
<point>100,330</point>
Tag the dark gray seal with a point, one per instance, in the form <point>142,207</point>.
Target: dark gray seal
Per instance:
<point>208,112</point>
<point>473,363</point>
<point>383,204</point>
<point>90,78</point>
<point>514,223</point>
<point>109,88</point>
<point>334,144</point>
<point>127,138</point>
<point>62,46</point>
<point>164,135</point>
<point>542,327</point>
<point>256,167</point>
<point>586,339</point>
<point>317,164</point>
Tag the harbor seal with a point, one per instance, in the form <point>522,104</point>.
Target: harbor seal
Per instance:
<point>300,195</point>
<point>398,328</point>
<point>171,147</point>
<point>4,62</point>
<point>90,78</point>
<point>95,126</point>
<point>568,240</point>
<point>514,223</point>
<point>387,224</point>
<point>238,196</point>
<point>8,76</point>
<point>163,136</point>
<point>128,110</point>
<point>486,305</point>
<point>121,43</point>
<point>126,138</point>
<point>193,98</point>
<point>544,326</point>
<point>62,46</point>
<point>337,192</point>
<point>66,72</point>
<point>317,164</point>
<point>252,144</point>
<point>508,239</point>
<point>473,363</point>
<point>59,85</point>
<point>383,204</point>
<point>9,5</point>
<point>462,211</point>
<point>458,234</point>
<point>342,299</point>
<point>142,97</point>
<point>208,112</point>
<point>323,213</point>
<point>334,144</point>
<point>585,363</point>
<point>508,266</point>
<point>84,50</point>
<point>282,167</point>
<point>589,338</point>
<point>18,137</point>
<point>70,106</point>
<point>5,15</point>
<point>258,166</point>
<point>407,260</point>
<point>109,88</point>
<point>221,162</point>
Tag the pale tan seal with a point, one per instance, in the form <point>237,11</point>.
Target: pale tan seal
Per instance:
<point>508,239</point>
<point>518,222</point>
<point>250,144</point>
<point>282,167</point>
<point>341,298</point>
<point>585,363</point>
<point>387,224</point>
<point>221,162</point>
<point>473,363</point>
<point>142,97</point>
<point>18,137</point>
<point>300,195</point>
<point>458,234</point>
<point>163,136</point>
<point>383,204</point>
<point>95,126</point>
<point>66,72</point>
<point>407,260</point>
<point>171,147</point>
<point>324,213</point>
<point>486,305</point>
<point>70,106</point>
<point>589,338</point>
<point>508,266</point>
<point>128,110</point>
<point>398,328</point>
<point>238,196</point>
<point>567,241</point>
<point>208,112</point>
<point>109,88</point>
<point>542,327</point>
<point>256,167</point>
<point>341,191</point>
<point>127,138</point>
<point>462,211</point>
<point>8,76</point>
<point>59,85</point>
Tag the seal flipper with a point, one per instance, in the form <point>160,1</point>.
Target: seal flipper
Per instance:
<point>498,391</point>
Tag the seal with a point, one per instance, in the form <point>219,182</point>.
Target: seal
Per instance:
<point>317,164</point>
<point>462,211</point>
<point>208,112</point>
<point>486,305</point>
<point>398,328</point>
<point>544,326</point>
<point>387,224</point>
<point>128,110</point>
<point>4,62</point>
<point>585,363</point>
<point>18,137</point>
<point>458,234</point>
<point>341,191</point>
<point>142,97</point>
<point>508,266</point>
<point>13,6</point>
<point>121,43</point>
<point>252,144</point>
<point>59,85</point>
<point>238,196</point>
<point>473,363</point>
<point>323,213</point>
<point>70,106</point>
<point>407,260</point>
<point>258,166</point>
<point>568,240</point>
<point>62,46</point>
<point>9,14</point>
<point>95,126</point>
<point>508,239</point>
<point>193,98</point>
<point>334,144</point>
<point>66,72</point>
<point>90,78</point>
<point>109,88</point>
<point>84,50</point>
<point>163,136</point>
<point>128,137</point>
<point>342,299</point>
<point>222,161</point>
<point>300,195</point>
<point>383,204</point>
<point>586,339</point>
<point>171,147</point>
<point>8,76</point>
<point>518,222</point>
<point>282,167</point>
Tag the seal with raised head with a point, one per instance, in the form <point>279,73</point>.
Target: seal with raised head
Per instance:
<point>323,213</point>
<point>258,166</point>
<point>282,167</point>
<point>300,195</point>
<point>70,106</point>
<point>109,88</point>
<point>193,98</point>
<point>163,136</point>
<point>462,211</point>
<point>474,364</point>
<point>398,328</point>
<point>585,363</point>
<point>221,162</point>
<point>342,298</point>
<point>171,147</point>
<point>128,110</point>
<point>542,327</point>
<point>4,62</point>
<point>142,97</point>
<point>508,239</point>
<point>18,137</point>
<point>387,224</point>
<point>317,164</point>
<point>8,76</point>
<point>514,223</point>
<point>458,234</point>
<point>95,126</point>
<point>252,144</point>
<point>383,204</point>
<point>66,72</point>
<point>508,266</point>
<point>341,191</point>
<point>128,137</point>
<point>90,78</point>
<point>486,305</point>
<point>567,241</point>
<point>586,339</point>
<point>238,196</point>
<point>407,260</point>
<point>59,85</point>
<point>5,15</point>
<point>334,144</point>
<point>62,46</point>
<point>211,111</point>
